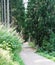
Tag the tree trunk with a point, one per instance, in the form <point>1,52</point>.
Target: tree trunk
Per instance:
<point>5,12</point>
<point>8,15</point>
<point>2,11</point>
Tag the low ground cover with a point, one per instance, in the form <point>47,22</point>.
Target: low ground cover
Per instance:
<point>10,47</point>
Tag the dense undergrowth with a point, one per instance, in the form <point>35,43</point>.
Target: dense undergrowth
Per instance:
<point>50,56</point>
<point>10,47</point>
<point>47,49</point>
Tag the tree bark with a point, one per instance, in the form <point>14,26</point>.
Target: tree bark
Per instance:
<point>5,12</point>
<point>8,15</point>
<point>2,15</point>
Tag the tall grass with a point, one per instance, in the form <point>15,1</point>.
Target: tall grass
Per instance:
<point>10,41</point>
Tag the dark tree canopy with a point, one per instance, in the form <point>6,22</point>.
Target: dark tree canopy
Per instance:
<point>40,20</point>
<point>18,12</point>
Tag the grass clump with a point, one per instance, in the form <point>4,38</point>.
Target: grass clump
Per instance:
<point>6,58</point>
<point>10,43</point>
<point>32,44</point>
<point>48,55</point>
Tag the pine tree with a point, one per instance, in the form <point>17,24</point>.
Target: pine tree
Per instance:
<point>18,12</point>
<point>40,19</point>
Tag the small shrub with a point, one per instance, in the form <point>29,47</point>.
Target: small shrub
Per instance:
<point>9,39</point>
<point>47,46</point>
<point>32,44</point>
<point>10,43</point>
<point>5,58</point>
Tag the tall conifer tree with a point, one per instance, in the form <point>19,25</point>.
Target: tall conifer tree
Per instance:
<point>18,12</point>
<point>40,19</point>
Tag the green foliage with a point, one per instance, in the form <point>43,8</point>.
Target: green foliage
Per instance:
<point>47,46</point>
<point>18,12</point>
<point>10,43</point>
<point>10,39</point>
<point>17,58</point>
<point>52,40</point>
<point>40,24</point>
<point>4,62</point>
<point>6,58</point>
<point>32,44</point>
<point>50,56</point>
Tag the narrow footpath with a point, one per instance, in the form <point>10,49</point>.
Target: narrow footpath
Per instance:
<point>31,58</point>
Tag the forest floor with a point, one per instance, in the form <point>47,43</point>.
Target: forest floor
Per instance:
<point>31,58</point>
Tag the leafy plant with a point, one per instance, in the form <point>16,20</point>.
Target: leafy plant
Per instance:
<point>6,58</point>
<point>10,43</point>
<point>10,39</point>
